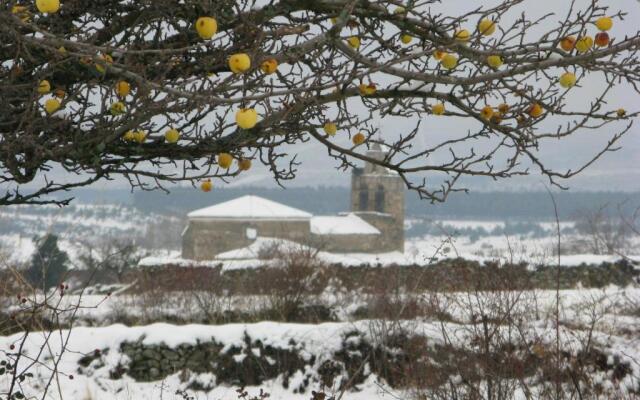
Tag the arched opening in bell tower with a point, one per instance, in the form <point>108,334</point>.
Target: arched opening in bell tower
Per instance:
<point>379,199</point>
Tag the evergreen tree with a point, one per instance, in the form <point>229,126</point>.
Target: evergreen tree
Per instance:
<point>48,264</point>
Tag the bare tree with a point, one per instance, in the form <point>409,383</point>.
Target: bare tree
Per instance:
<point>608,230</point>
<point>110,259</point>
<point>145,90</point>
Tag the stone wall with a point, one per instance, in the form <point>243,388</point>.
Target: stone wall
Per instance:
<point>204,239</point>
<point>401,360</point>
<point>250,364</point>
<point>253,362</point>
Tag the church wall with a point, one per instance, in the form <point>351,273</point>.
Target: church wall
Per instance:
<point>204,239</point>
<point>392,237</point>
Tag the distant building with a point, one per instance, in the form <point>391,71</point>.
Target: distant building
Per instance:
<point>374,225</point>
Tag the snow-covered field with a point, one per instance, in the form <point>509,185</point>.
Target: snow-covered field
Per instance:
<point>606,319</point>
<point>420,251</point>
<point>615,331</point>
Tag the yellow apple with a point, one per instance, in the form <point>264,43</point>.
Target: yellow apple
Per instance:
<point>437,109</point>
<point>206,27</point>
<point>44,87</point>
<point>21,12</point>
<point>354,42</point>
<point>536,110</point>
<point>330,128</point>
<point>449,61</point>
<point>225,160</point>
<point>495,61</point>
<point>269,66</point>
<point>117,108</point>
<point>486,27</point>
<point>406,39</point>
<point>105,59</point>
<point>487,112</point>
<point>462,35</point>
<point>359,138</point>
<point>129,136</point>
<point>48,6</point>
<point>567,80</point>
<point>206,186</point>
<point>604,23</point>
<point>239,63</point>
<point>584,44</point>
<point>244,164</point>
<point>246,118</point>
<point>172,135</point>
<point>568,43</point>
<point>367,90</point>
<point>139,136</point>
<point>51,106</point>
<point>621,112</point>
<point>439,54</point>
<point>123,88</point>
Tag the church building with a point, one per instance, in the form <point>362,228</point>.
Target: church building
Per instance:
<point>375,223</point>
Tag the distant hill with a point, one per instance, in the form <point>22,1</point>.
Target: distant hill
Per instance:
<point>330,200</point>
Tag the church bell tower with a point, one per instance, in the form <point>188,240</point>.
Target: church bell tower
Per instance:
<point>377,196</point>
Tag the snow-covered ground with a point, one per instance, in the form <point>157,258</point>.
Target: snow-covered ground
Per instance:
<point>612,311</point>
<point>615,331</point>
<point>421,251</point>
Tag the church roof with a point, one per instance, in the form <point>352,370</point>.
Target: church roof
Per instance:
<point>349,224</point>
<point>249,207</point>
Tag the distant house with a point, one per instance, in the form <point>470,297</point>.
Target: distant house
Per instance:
<point>375,223</point>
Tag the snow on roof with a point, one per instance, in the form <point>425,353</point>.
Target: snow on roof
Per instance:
<point>250,207</point>
<point>348,224</point>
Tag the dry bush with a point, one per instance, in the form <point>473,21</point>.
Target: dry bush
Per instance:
<point>291,279</point>
<point>506,342</point>
<point>29,311</point>
<point>109,259</point>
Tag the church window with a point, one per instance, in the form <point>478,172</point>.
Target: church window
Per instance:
<point>364,199</point>
<point>380,199</point>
